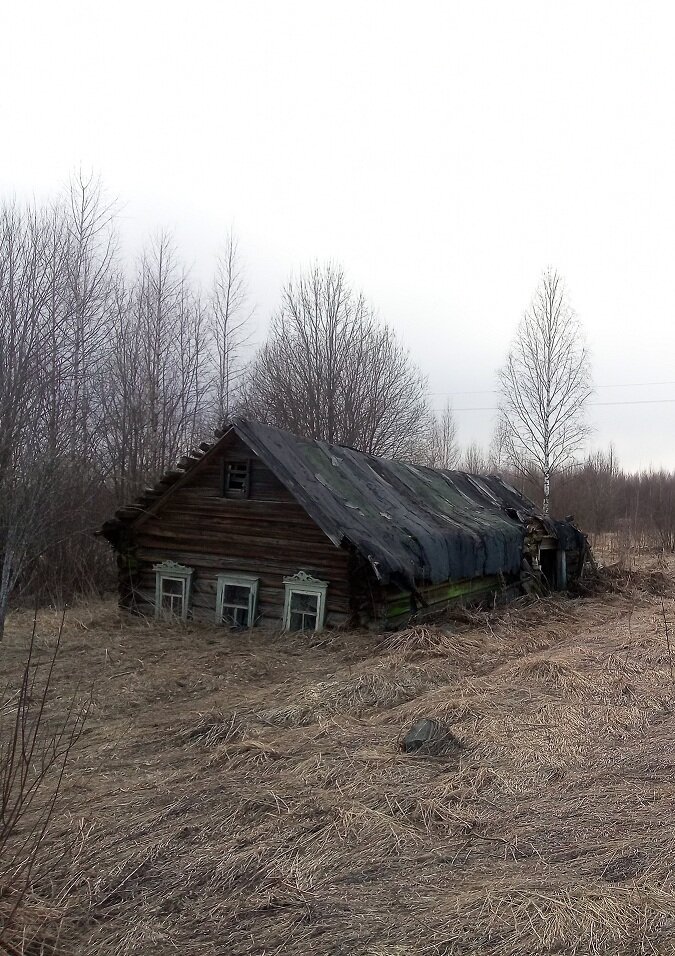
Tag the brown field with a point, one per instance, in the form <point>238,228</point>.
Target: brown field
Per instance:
<point>247,794</point>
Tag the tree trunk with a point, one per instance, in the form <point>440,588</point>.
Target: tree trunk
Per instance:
<point>547,492</point>
<point>5,584</point>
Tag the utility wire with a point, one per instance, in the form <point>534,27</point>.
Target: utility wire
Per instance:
<point>639,401</point>
<point>495,391</point>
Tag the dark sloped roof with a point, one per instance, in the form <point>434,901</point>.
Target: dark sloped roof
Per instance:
<point>412,523</point>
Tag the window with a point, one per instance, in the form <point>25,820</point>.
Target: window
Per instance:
<point>236,479</point>
<point>305,602</point>
<point>303,611</point>
<point>236,600</point>
<point>172,590</point>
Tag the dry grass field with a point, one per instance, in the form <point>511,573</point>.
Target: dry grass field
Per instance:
<point>247,794</point>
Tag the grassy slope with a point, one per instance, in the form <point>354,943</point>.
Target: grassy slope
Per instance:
<point>246,794</point>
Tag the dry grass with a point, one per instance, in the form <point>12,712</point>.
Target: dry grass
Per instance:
<point>248,795</point>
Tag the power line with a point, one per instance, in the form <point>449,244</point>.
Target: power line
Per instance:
<point>495,391</point>
<point>639,401</point>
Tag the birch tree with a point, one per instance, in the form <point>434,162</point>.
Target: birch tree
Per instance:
<point>545,385</point>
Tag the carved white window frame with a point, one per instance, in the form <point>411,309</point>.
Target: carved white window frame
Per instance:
<point>238,581</point>
<point>303,583</point>
<point>171,571</point>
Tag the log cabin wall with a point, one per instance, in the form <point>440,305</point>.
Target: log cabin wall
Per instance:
<point>267,534</point>
<point>397,607</point>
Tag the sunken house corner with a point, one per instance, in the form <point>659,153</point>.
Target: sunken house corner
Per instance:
<point>263,527</point>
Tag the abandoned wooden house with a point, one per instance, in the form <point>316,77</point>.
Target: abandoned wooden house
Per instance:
<point>263,526</point>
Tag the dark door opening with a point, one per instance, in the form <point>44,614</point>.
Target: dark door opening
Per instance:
<point>548,560</point>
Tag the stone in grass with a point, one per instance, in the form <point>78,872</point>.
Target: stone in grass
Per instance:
<point>429,737</point>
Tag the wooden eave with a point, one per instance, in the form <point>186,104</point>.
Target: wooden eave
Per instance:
<point>148,503</point>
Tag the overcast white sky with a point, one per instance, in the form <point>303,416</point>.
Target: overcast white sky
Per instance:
<point>443,152</point>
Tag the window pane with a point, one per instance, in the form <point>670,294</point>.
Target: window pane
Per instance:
<point>172,586</point>
<point>236,595</point>
<point>235,616</point>
<point>304,602</point>
<point>302,622</point>
<point>173,603</point>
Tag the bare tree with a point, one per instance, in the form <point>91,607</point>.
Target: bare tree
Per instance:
<point>330,370</point>
<point>499,448</point>
<point>26,329</point>
<point>443,450</point>
<point>545,385</point>
<point>474,460</point>
<point>154,396</point>
<point>228,320</point>
<point>34,749</point>
<point>88,296</point>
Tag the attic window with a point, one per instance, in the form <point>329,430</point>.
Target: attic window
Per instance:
<point>305,602</point>
<point>236,479</point>
<point>236,600</point>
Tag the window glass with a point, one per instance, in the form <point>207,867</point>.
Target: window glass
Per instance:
<point>235,607</point>
<point>236,595</point>
<point>304,602</point>
<point>236,602</point>
<point>304,611</point>
<point>172,596</point>
<point>235,616</point>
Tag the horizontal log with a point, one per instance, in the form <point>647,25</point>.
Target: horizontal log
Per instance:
<point>212,565</point>
<point>223,534</point>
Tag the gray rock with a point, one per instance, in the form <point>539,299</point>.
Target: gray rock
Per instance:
<point>430,737</point>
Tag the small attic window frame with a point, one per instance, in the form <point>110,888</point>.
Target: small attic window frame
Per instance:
<point>237,478</point>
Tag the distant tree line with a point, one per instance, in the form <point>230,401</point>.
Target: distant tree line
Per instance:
<point>110,371</point>
<point>107,374</point>
<point>618,508</point>
<point>635,509</point>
